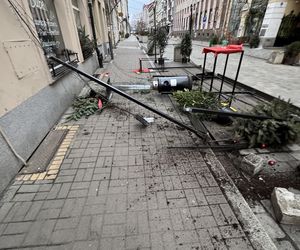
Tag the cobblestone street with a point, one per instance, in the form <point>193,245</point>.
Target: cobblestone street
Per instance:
<point>274,79</point>
<point>115,184</point>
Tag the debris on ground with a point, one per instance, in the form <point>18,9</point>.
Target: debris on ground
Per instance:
<point>252,164</point>
<point>276,132</point>
<point>286,206</point>
<point>83,107</point>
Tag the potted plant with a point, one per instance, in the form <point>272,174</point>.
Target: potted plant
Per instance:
<point>292,53</point>
<point>254,41</point>
<point>186,47</point>
<point>87,45</point>
<point>161,40</point>
<point>214,40</point>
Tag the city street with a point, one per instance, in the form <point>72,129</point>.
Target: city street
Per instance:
<point>119,185</point>
<point>136,125</point>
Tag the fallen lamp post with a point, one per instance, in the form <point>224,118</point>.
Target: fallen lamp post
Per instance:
<point>230,114</point>
<point>200,134</point>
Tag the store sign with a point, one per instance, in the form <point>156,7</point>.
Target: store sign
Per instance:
<point>47,26</point>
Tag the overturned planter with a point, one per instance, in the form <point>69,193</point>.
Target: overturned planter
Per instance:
<point>286,206</point>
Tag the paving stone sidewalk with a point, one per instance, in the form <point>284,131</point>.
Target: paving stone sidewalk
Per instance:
<point>123,186</point>
<point>273,79</point>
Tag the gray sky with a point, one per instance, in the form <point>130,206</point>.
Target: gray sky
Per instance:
<point>135,7</point>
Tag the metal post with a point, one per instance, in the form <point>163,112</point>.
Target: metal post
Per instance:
<point>213,74</point>
<point>110,47</point>
<point>154,13</point>
<point>236,77</point>
<point>121,93</point>
<point>110,31</point>
<point>222,82</point>
<point>230,114</point>
<point>141,67</point>
<point>99,55</point>
<point>191,21</point>
<point>203,71</point>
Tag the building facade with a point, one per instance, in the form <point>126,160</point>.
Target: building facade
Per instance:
<point>145,14</point>
<point>277,23</point>
<point>281,23</point>
<point>170,14</point>
<point>35,91</point>
<point>208,17</point>
<point>117,19</point>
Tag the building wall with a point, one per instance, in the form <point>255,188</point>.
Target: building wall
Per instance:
<point>17,49</point>
<point>207,17</point>
<point>271,22</point>
<point>161,12</point>
<point>31,101</point>
<point>145,15</point>
<point>292,5</point>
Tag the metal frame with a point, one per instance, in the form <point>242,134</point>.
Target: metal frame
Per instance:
<point>222,82</point>
<point>223,76</point>
<point>163,67</point>
<point>121,93</point>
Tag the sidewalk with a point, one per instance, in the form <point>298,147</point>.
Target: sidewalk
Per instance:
<point>274,79</point>
<point>117,185</point>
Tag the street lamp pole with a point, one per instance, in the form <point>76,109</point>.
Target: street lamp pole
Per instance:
<point>191,20</point>
<point>99,55</point>
<point>110,30</point>
<point>154,13</point>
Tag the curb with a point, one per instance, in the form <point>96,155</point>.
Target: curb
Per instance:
<point>251,225</point>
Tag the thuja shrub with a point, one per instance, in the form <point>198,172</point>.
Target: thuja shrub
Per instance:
<point>196,98</point>
<point>276,132</point>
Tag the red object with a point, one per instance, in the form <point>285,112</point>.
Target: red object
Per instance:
<point>100,105</point>
<point>263,145</point>
<point>271,162</point>
<point>144,70</point>
<point>229,49</point>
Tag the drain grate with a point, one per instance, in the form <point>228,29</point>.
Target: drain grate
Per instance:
<point>41,158</point>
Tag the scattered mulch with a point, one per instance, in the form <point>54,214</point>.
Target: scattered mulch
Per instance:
<point>261,186</point>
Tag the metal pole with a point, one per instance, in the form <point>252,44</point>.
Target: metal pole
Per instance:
<point>109,14</point>
<point>154,12</point>
<point>141,67</point>
<point>121,93</point>
<point>213,74</point>
<point>99,55</point>
<point>222,82</point>
<point>110,46</point>
<point>236,77</point>
<point>234,114</point>
<point>203,71</point>
<point>191,21</point>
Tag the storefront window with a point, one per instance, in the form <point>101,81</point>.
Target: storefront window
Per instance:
<point>47,26</point>
<point>76,13</point>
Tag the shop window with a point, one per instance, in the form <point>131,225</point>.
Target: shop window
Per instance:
<point>49,33</point>
<point>76,12</point>
<point>86,44</point>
